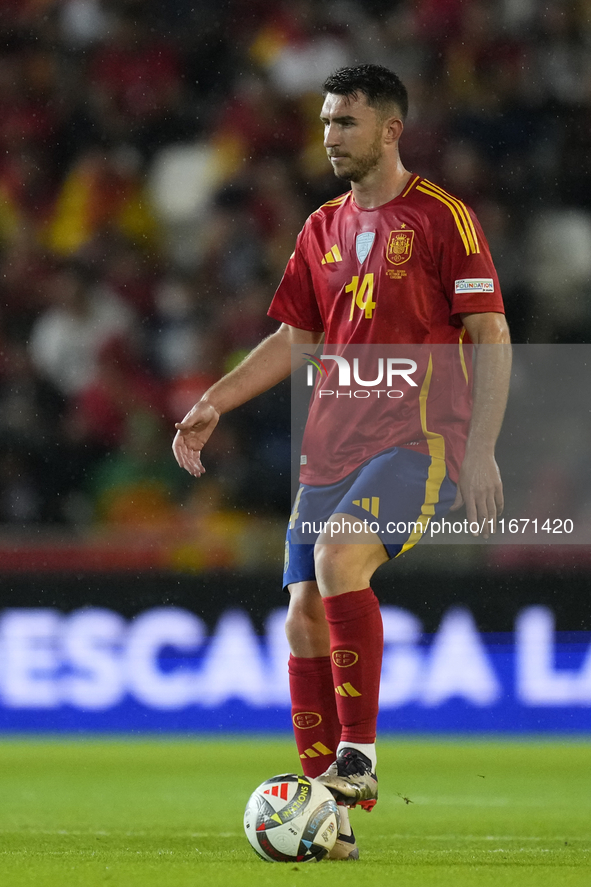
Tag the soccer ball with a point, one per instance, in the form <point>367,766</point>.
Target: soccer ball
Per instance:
<point>291,818</point>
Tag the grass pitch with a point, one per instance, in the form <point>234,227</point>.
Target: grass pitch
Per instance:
<point>169,814</point>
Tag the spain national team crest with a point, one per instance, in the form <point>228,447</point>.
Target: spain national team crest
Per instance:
<point>363,245</point>
<point>306,719</point>
<point>399,248</point>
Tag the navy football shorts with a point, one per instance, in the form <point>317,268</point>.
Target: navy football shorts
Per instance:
<point>395,495</point>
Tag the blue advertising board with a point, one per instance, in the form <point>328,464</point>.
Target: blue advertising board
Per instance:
<point>92,670</point>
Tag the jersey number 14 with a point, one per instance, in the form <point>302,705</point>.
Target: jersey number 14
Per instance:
<point>362,295</point>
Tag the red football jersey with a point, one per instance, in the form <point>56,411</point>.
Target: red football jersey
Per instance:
<point>402,273</point>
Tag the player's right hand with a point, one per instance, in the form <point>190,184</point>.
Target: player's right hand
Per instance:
<point>191,436</point>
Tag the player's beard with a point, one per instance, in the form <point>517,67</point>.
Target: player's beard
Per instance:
<point>361,166</point>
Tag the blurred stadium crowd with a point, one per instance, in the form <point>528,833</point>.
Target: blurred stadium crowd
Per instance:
<point>157,160</point>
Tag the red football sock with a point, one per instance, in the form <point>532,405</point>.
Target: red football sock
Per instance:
<point>314,713</point>
<point>356,648</point>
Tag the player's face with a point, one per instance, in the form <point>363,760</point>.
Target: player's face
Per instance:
<point>353,136</point>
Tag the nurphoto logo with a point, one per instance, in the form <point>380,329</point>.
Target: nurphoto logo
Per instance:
<point>387,372</point>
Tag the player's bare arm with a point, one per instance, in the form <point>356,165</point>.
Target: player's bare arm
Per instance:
<point>267,365</point>
<point>479,485</point>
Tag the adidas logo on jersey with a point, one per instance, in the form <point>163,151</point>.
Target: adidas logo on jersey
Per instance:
<point>333,255</point>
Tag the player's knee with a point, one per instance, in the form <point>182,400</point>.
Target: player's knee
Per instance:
<point>305,605</point>
<point>305,626</point>
<point>334,566</point>
<point>343,568</point>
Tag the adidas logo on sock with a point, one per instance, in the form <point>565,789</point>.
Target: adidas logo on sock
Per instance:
<point>316,750</point>
<point>347,690</point>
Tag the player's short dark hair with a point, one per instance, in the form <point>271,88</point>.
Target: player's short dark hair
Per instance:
<point>379,85</point>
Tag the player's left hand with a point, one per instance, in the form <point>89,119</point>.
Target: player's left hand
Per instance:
<point>480,489</point>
